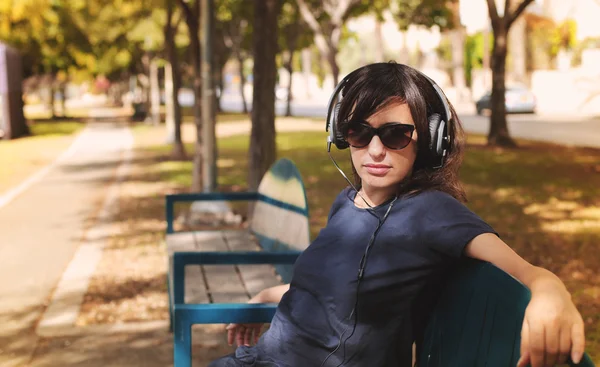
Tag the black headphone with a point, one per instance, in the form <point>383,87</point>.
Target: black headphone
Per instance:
<point>438,124</point>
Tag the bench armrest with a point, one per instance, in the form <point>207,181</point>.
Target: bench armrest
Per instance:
<point>170,201</point>
<point>181,259</point>
<point>224,313</point>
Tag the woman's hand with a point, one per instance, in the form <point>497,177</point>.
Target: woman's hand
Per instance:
<point>552,329</point>
<point>243,334</point>
<point>247,334</point>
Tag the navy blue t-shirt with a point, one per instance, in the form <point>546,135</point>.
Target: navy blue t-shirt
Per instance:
<point>423,236</point>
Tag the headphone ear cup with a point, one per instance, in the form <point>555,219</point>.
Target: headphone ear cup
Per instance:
<point>338,137</point>
<point>434,126</point>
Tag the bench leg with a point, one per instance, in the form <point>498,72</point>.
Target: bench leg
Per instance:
<point>170,305</point>
<point>182,340</point>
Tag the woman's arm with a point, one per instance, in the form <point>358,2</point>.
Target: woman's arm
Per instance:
<point>552,326</point>
<point>245,334</point>
<point>270,295</point>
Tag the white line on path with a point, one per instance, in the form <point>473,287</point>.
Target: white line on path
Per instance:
<point>11,194</point>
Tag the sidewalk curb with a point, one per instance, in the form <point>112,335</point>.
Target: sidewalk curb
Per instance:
<point>11,194</point>
<point>61,314</point>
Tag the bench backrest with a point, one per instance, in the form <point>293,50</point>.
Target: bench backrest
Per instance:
<point>477,320</point>
<point>280,216</point>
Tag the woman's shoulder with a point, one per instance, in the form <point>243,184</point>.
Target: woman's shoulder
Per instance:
<point>433,197</point>
<point>341,199</point>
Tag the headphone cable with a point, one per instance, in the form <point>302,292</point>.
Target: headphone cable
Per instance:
<point>362,265</point>
<point>346,177</point>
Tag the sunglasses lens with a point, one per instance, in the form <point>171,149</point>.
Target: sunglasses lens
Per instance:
<point>396,136</point>
<point>359,135</point>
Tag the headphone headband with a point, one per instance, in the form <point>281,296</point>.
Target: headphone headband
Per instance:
<point>338,88</point>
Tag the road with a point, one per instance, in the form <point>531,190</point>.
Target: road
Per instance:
<point>568,130</point>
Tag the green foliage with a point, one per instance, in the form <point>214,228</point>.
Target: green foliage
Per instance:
<point>46,34</point>
<point>546,39</point>
<point>474,53</point>
<point>375,7</point>
<point>293,34</point>
<point>588,43</point>
<point>563,37</point>
<point>58,128</point>
<point>427,13</point>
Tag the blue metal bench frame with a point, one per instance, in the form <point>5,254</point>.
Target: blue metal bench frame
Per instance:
<point>186,315</point>
<point>282,181</point>
<point>477,320</point>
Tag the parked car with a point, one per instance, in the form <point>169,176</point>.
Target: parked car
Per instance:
<point>518,99</point>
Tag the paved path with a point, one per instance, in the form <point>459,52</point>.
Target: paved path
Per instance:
<point>41,229</point>
<point>49,249</point>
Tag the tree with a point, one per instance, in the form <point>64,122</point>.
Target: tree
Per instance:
<point>458,36</point>
<point>192,19</point>
<point>294,35</point>
<point>262,137</point>
<point>499,134</point>
<point>235,22</point>
<point>170,30</point>
<point>326,19</point>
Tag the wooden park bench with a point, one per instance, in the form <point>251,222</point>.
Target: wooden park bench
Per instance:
<point>203,294</point>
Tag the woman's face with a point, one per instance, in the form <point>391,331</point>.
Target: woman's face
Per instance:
<point>379,167</point>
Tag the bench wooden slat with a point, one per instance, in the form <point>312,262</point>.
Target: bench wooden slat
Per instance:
<point>224,283</point>
<point>195,288</point>
<point>255,277</point>
<point>180,242</point>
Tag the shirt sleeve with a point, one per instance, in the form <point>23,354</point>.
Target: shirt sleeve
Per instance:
<point>338,202</point>
<point>449,225</point>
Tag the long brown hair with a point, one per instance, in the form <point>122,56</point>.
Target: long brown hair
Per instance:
<point>376,86</point>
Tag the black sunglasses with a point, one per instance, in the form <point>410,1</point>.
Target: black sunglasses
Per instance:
<point>394,136</point>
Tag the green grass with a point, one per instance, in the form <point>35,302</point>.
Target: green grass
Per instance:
<point>543,199</point>
<point>222,117</point>
<point>22,157</point>
<point>58,128</point>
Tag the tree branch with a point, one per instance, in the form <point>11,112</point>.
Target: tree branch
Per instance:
<point>507,7</point>
<point>309,18</point>
<point>518,12</point>
<point>186,9</point>
<point>337,17</point>
<point>493,12</point>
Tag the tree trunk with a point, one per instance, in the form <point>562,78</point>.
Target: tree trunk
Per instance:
<point>178,150</point>
<point>154,93</point>
<point>335,69</point>
<point>499,135</point>
<point>63,102</point>
<point>192,19</point>
<point>379,45</point>
<point>288,67</point>
<point>51,100</point>
<point>306,70</point>
<point>457,39</point>
<point>240,59</point>
<point>262,137</point>
<point>178,147</point>
<point>219,84</point>
<point>197,86</point>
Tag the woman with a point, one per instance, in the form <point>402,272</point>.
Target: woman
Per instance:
<point>362,292</point>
